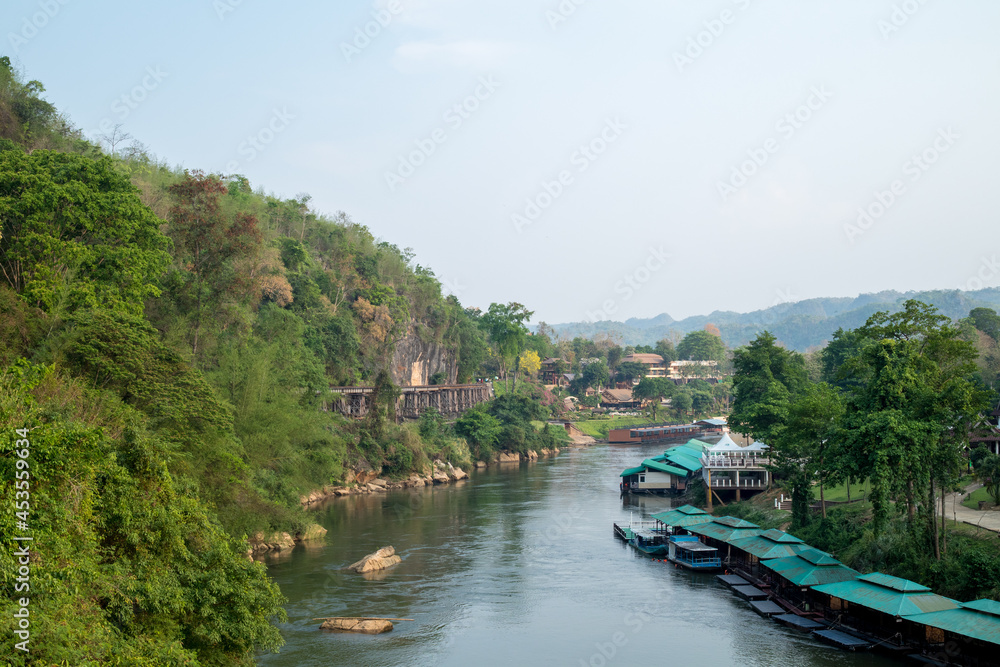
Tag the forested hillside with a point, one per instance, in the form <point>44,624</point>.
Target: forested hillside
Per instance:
<point>168,341</point>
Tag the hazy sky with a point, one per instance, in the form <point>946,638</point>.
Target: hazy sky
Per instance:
<point>589,159</point>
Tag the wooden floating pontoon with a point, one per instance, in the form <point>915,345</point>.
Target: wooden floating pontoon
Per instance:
<point>842,639</point>
<point>766,608</point>
<point>750,592</point>
<point>732,580</point>
<point>800,623</point>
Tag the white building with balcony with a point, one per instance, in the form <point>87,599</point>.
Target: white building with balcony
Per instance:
<point>735,471</point>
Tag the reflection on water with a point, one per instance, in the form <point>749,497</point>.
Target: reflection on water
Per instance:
<point>519,566</point>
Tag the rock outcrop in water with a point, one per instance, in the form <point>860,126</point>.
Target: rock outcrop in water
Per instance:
<point>381,559</point>
<point>369,626</point>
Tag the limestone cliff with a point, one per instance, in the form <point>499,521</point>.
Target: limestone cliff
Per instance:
<point>414,361</point>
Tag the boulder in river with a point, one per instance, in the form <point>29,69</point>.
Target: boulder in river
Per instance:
<point>369,626</point>
<point>510,457</point>
<point>381,559</point>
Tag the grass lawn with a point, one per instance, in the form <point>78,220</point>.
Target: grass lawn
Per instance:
<point>973,500</point>
<point>598,428</point>
<point>838,493</point>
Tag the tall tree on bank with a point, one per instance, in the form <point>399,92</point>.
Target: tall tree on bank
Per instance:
<point>207,240</point>
<point>505,324</point>
<point>906,420</point>
<point>75,234</point>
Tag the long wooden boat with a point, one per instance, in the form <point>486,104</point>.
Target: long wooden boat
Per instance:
<point>690,552</point>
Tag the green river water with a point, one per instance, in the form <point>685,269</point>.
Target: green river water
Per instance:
<point>519,566</point>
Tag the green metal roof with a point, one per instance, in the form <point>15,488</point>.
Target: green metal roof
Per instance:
<point>991,607</point>
<point>771,544</point>
<point>810,567</point>
<point>965,620</point>
<point>632,471</point>
<point>683,517</point>
<point>684,461</point>
<point>895,583</point>
<point>734,522</point>
<point>663,467</point>
<point>889,595</point>
<point>660,458</point>
<point>701,445</point>
<point>781,536</point>
<point>817,557</point>
<point>726,529</point>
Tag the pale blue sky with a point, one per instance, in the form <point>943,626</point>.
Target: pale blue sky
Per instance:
<point>333,124</point>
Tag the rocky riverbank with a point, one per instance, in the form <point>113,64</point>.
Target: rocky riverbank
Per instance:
<point>260,544</point>
<point>360,482</point>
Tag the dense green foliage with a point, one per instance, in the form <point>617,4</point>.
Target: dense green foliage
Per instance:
<point>895,410</point>
<point>170,339</point>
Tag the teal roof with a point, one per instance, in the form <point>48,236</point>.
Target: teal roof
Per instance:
<point>683,461</point>
<point>895,583</point>
<point>632,471</point>
<point>663,467</point>
<point>682,517</point>
<point>971,619</point>
<point>991,607</point>
<point>810,567</point>
<point>701,445</point>
<point>726,529</point>
<point>734,522</point>
<point>771,544</point>
<point>889,595</point>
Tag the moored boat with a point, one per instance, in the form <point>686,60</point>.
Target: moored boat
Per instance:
<point>690,552</point>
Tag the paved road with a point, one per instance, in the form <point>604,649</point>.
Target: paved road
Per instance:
<point>989,519</point>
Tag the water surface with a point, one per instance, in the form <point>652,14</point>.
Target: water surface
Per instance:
<point>519,566</point>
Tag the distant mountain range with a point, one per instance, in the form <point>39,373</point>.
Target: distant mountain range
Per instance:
<point>801,325</point>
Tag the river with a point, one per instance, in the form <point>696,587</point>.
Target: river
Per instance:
<point>519,566</point>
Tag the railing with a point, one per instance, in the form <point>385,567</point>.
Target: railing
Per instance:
<point>735,462</point>
<point>724,483</point>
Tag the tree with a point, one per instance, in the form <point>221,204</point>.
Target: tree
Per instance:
<point>987,321</point>
<point>654,390</point>
<point>614,356</point>
<point>76,235</point>
<point>596,375</point>
<point>800,452</point>
<point>505,324</point>
<point>630,370</point>
<point>701,346</point>
<point>665,348</point>
<point>988,472</point>
<point>915,391</point>
<point>206,240</point>
<point>766,377</point>
<point>530,362</point>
